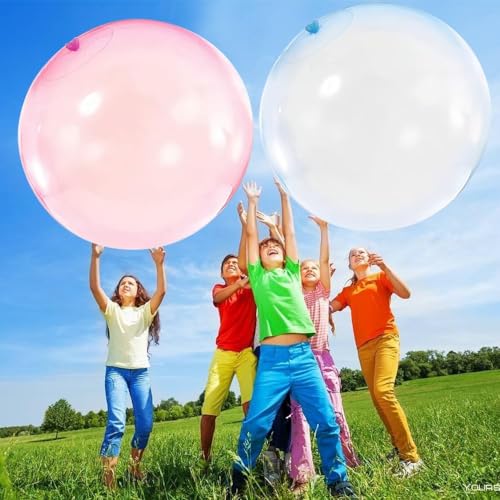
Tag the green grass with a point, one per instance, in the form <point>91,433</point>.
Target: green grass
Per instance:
<point>455,422</point>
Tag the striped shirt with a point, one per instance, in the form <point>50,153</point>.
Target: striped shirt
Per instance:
<point>318,305</point>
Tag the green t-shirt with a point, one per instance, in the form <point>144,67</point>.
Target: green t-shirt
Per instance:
<point>280,303</point>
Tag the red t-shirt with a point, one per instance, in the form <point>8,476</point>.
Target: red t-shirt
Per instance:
<point>237,319</point>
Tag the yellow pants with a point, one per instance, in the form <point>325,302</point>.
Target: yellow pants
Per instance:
<point>379,360</point>
<point>226,364</point>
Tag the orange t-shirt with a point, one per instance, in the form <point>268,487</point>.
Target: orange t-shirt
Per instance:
<point>369,300</point>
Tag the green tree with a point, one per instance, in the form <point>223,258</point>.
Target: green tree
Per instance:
<point>59,417</point>
<point>348,377</point>
<point>201,399</point>
<point>91,420</point>
<point>437,361</point>
<point>160,415</point>
<point>175,412</point>
<point>78,422</point>
<point>103,417</point>
<point>455,363</point>
<point>493,354</point>
<point>166,404</point>
<point>409,369</point>
<point>230,401</point>
<point>191,410</point>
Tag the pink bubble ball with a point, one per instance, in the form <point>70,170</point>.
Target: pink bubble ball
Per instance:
<point>136,134</point>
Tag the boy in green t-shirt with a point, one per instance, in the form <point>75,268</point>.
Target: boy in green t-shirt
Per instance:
<point>286,361</point>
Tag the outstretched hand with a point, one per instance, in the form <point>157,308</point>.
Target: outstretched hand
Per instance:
<point>280,187</point>
<point>242,213</point>
<point>97,250</point>
<point>252,190</point>
<point>332,269</point>
<point>377,260</point>
<point>158,254</point>
<point>268,220</point>
<point>321,223</point>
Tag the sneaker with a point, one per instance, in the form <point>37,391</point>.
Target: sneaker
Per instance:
<point>342,489</point>
<point>272,467</point>
<point>394,453</point>
<point>407,468</point>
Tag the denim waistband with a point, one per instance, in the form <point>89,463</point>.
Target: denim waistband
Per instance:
<point>292,348</point>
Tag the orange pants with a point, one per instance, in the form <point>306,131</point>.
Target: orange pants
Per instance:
<point>379,360</point>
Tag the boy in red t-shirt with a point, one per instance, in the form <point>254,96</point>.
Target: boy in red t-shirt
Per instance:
<point>234,353</point>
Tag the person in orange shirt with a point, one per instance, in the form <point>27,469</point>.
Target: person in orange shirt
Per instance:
<point>377,340</point>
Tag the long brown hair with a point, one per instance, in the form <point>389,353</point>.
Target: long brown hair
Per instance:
<point>141,298</point>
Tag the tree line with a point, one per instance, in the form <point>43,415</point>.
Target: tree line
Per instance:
<point>416,364</point>
<point>431,363</point>
<point>60,416</point>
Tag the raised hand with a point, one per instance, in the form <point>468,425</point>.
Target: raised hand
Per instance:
<point>280,187</point>
<point>242,213</point>
<point>376,260</point>
<point>332,269</point>
<point>158,254</point>
<point>252,190</point>
<point>321,223</point>
<point>268,220</point>
<point>97,250</point>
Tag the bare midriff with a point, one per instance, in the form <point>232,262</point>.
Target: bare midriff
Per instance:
<point>286,339</point>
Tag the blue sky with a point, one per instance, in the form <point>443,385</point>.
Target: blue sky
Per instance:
<point>52,341</point>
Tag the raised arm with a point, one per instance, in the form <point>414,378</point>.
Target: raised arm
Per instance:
<point>242,251</point>
<point>228,290</point>
<point>272,222</point>
<point>288,227</point>
<point>324,253</point>
<point>253,192</point>
<point>400,288</point>
<point>158,255</point>
<point>95,279</point>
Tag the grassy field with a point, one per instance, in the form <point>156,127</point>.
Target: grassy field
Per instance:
<point>455,422</point>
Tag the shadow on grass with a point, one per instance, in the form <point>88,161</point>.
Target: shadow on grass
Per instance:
<point>232,422</point>
<point>52,440</point>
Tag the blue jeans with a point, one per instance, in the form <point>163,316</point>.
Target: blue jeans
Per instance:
<point>291,368</point>
<point>119,382</point>
<point>281,430</point>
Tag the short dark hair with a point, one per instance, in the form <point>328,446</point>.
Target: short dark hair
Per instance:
<point>225,259</point>
<point>267,240</point>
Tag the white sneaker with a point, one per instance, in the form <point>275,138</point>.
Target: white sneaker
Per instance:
<point>407,468</point>
<point>272,467</point>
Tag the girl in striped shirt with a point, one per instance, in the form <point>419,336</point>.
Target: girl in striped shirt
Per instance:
<point>316,289</point>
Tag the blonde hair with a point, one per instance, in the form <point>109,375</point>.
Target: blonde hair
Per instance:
<point>353,279</point>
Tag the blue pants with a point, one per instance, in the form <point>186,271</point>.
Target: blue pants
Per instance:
<point>281,430</point>
<point>119,382</point>
<point>291,368</point>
